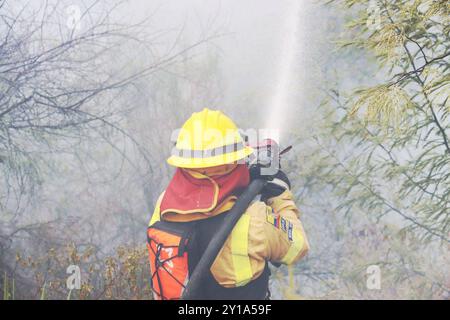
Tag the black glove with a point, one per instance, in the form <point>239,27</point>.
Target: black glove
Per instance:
<point>276,184</point>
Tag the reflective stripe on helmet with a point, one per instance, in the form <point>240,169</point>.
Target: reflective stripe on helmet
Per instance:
<point>239,251</point>
<point>200,154</point>
<point>296,247</point>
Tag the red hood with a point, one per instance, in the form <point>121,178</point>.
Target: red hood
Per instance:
<point>191,192</point>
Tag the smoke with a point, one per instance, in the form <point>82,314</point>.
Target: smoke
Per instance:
<point>281,102</point>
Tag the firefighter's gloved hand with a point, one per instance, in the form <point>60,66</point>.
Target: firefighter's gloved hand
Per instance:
<point>276,184</point>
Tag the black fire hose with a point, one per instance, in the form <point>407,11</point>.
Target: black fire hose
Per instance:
<point>192,289</point>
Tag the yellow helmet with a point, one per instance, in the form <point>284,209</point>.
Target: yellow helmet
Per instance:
<point>208,139</point>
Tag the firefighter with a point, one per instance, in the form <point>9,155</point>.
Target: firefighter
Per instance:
<point>211,173</point>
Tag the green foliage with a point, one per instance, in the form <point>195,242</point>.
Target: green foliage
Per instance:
<point>396,158</point>
<point>383,104</point>
<point>379,156</point>
<point>9,287</point>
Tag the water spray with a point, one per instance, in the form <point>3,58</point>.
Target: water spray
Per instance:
<point>279,104</point>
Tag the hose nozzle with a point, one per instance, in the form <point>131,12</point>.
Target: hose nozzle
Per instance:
<point>267,154</point>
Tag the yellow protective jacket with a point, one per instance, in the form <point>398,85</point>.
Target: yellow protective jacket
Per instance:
<point>271,232</point>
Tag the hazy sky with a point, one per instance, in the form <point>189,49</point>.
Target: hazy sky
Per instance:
<point>252,50</point>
